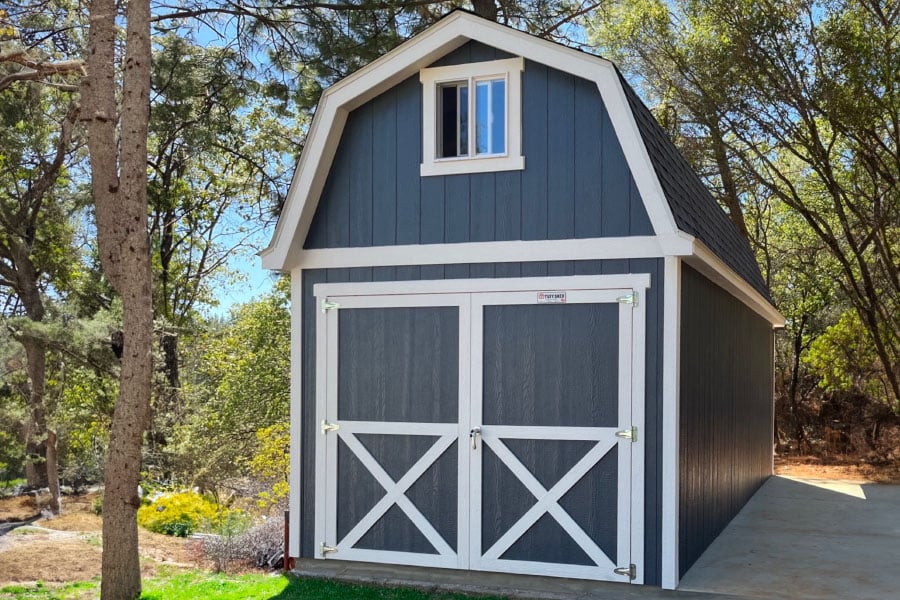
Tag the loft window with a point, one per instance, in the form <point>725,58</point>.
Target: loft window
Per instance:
<point>472,118</point>
<point>484,120</point>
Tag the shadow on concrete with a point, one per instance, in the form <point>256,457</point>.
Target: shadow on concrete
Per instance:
<point>804,539</point>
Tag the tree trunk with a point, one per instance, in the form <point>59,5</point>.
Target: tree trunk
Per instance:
<point>53,474</point>
<point>119,186</point>
<point>36,428</point>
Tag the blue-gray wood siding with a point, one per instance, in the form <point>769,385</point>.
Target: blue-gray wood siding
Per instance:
<point>653,376</point>
<point>726,410</point>
<point>576,183</point>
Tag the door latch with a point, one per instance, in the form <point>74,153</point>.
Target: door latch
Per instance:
<point>628,434</point>
<point>473,435</point>
<point>326,549</point>
<point>630,571</point>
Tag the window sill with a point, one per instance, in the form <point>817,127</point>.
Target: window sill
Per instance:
<point>473,165</point>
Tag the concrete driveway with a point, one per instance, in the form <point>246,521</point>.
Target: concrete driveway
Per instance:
<point>804,538</point>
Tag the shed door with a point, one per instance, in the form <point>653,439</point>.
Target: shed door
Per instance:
<point>551,480</point>
<point>479,430</point>
<point>393,395</point>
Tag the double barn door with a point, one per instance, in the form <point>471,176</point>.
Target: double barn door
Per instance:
<point>488,424</point>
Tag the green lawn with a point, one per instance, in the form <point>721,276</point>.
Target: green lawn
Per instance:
<point>193,584</point>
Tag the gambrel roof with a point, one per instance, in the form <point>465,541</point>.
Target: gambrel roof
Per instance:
<point>686,219</point>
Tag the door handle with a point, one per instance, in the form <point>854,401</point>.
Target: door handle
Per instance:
<point>473,435</point>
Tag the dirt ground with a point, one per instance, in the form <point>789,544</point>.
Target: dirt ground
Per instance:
<point>68,548</point>
<point>836,468</point>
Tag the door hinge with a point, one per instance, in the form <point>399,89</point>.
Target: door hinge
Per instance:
<point>328,305</point>
<point>628,434</point>
<point>326,426</point>
<point>630,571</point>
<point>326,549</point>
<point>631,299</point>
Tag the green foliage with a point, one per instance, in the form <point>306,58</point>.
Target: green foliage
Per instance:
<point>181,514</point>
<point>845,361</point>
<point>272,463</point>
<point>239,385</point>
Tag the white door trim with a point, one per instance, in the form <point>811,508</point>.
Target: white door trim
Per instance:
<point>470,296</point>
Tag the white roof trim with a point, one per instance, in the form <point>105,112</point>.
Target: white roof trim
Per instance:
<point>407,59</point>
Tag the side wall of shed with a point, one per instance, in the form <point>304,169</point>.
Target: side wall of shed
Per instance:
<point>653,381</point>
<point>726,411</point>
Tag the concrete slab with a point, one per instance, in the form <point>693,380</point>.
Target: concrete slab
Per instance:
<point>807,539</point>
<point>491,584</point>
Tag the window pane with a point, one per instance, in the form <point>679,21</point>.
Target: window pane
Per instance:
<point>482,117</point>
<point>463,120</point>
<point>448,119</point>
<point>498,117</point>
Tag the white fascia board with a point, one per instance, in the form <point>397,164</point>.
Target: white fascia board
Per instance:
<point>484,252</point>
<point>406,60</point>
<point>714,268</point>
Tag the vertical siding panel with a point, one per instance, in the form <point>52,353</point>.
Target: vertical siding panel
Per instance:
<point>724,387</point>
<point>308,414</point>
<point>360,129</point>
<point>482,193</point>
<point>384,169</point>
<point>432,218</point>
<point>508,203</point>
<point>534,147</point>
<point>640,221</point>
<point>587,141</point>
<point>337,208</point>
<point>409,156</point>
<point>561,155</point>
<point>456,208</point>
<point>614,215</point>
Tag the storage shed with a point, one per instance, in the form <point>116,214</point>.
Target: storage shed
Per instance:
<point>525,338</point>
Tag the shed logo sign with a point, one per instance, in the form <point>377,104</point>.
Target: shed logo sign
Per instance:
<point>551,298</point>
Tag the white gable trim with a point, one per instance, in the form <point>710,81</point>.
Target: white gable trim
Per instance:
<point>406,60</point>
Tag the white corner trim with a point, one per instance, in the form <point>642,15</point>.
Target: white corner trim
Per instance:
<point>406,60</point>
<point>294,504</point>
<point>671,367</point>
<point>714,268</point>
<point>484,252</point>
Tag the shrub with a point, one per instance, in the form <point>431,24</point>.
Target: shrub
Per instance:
<point>262,544</point>
<point>97,505</point>
<point>179,514</point>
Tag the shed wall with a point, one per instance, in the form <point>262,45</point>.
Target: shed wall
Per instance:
<point>726,411</point>
<point>653,416</point>
<point>576,183</point>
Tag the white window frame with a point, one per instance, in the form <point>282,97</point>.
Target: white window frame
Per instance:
<point>512,160</point>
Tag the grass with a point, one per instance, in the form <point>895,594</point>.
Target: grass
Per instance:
<point>41,591</point>
<point>209,586</point>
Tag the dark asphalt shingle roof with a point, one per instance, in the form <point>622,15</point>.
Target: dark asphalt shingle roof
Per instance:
<point>695,210</point>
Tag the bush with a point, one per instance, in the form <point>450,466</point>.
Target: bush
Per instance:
<point>97,505</point>
<point>179,514</point>
<point>262,544</point>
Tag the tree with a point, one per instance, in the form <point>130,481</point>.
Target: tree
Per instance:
<point>119,186</point>
<point>806,96</point>
<point>39,138</point>
<point>239,385</point>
